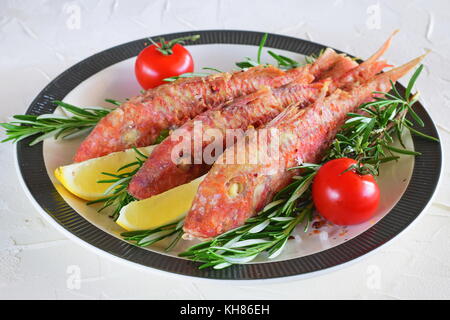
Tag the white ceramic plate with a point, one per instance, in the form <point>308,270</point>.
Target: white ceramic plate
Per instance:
<point>308,252</point>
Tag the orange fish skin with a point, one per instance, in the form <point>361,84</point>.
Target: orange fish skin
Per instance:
<point>304,136</point>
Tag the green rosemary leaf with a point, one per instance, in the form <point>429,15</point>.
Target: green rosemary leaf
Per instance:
<point>402,151</point>
<point>73,109</point>
<point>381,160</point>
<point>283,62</point>
<point>415,116</point>
<point>162,135</point>
<point>412,81</point>
<point>25,117</point>
<point>261,45</point>
<point>114,102</point>
<point>212,69</point>
<point>247,64</point>
<point>44,136</point>
<point>421,134</point>
<point>186,75</point>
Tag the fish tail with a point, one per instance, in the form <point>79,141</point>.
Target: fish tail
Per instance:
<point>399,72</point>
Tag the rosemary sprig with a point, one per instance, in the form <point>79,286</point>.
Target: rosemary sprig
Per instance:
<point>53,125</point>
<point>149,237</point>
<point>283,61</point>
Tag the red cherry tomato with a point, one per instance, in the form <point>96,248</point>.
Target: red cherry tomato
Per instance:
<point>344,198</point>
<point>161,61</point>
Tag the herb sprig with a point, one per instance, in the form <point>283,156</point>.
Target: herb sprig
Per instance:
<point>53,125</point>
<point>247,63</point>
<point>149,237</point>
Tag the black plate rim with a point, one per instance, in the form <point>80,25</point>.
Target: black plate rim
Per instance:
<point>31,165</point>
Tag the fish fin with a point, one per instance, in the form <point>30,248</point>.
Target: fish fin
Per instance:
<point>326,56</point>
<point>381,50</point>
<point>293,112</point>
<point>328,53</point>
<point>243,100</point>
<point>304,77</point>
<point>288,114</point>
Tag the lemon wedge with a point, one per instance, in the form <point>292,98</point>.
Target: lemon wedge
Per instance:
<point>81,178</point>
<point>159,210</point>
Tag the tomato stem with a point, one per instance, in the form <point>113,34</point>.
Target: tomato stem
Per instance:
<point>362,169</point>
<point>165,47</point>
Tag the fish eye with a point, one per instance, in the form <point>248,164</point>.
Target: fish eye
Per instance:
<point>234,187</point>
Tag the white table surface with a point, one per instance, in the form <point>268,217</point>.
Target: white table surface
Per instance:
<point>40,39</point>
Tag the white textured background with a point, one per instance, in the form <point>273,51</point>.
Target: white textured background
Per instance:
<point>40,39</point>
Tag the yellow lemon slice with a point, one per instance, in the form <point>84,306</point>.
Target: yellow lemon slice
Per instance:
<point>159,210</point>
<point>81,178</point>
